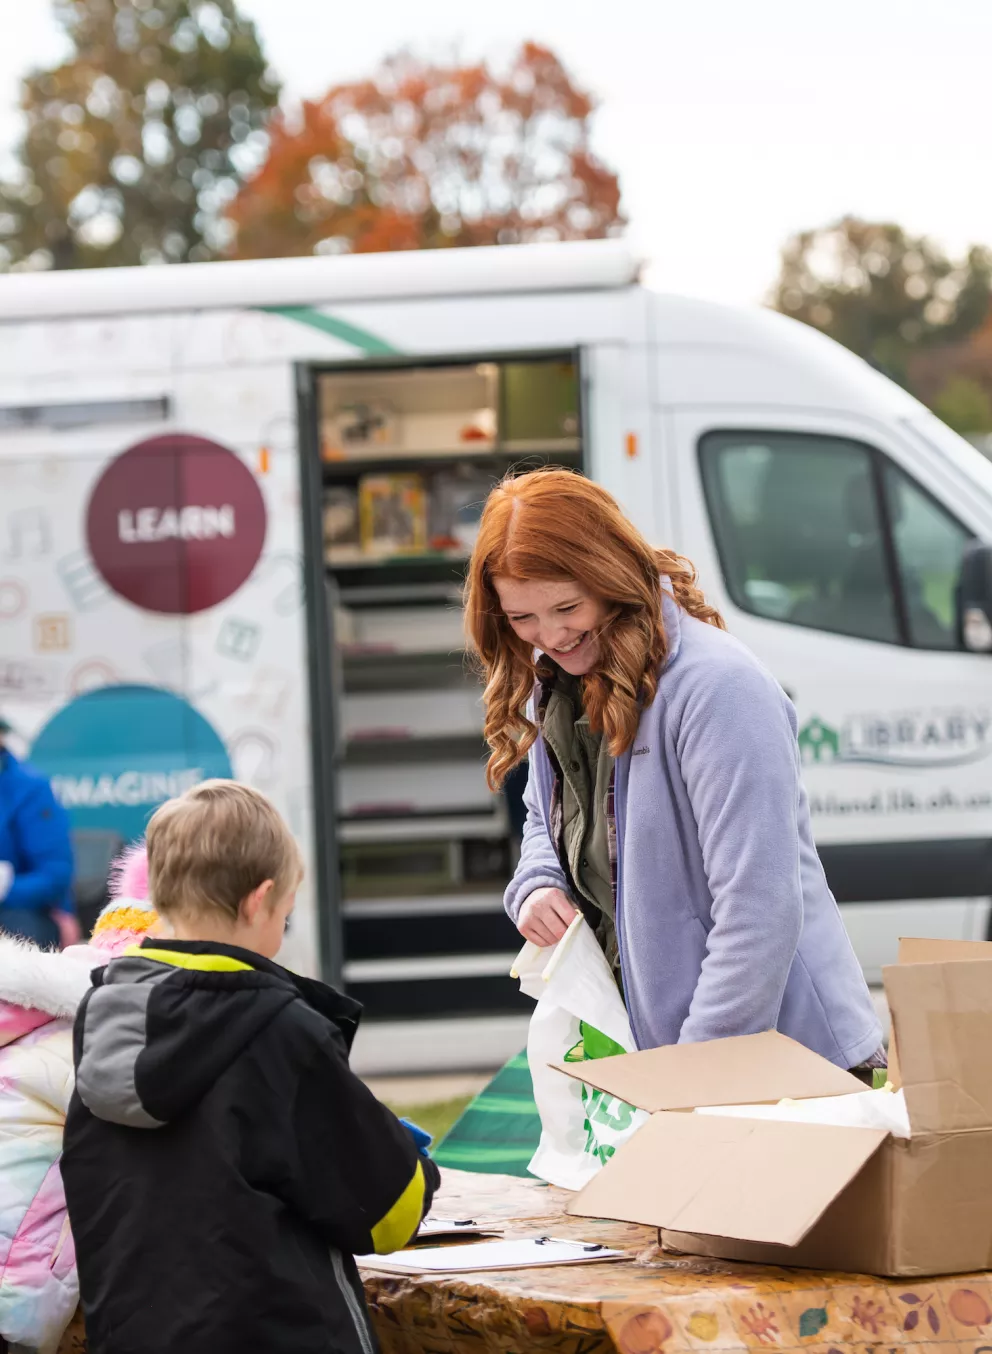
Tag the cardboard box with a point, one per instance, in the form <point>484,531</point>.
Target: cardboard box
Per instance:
<point>814,1195</point>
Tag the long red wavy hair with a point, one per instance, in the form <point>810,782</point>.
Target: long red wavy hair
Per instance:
<point>554,524</point>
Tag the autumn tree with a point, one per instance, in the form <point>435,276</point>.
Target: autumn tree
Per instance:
<point>136,142</point>
<point>428,154</point>
<point>881,292</point>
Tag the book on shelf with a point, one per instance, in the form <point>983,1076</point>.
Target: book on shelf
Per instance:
<point>393,515</point>
<point>342,528</point>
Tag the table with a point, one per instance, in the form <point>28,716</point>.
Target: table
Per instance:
<point>654,1302</point>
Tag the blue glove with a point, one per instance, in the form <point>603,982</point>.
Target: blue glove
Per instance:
<point>422,1140</point>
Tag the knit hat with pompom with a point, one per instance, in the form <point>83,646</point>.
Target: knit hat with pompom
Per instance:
<point>129,916</point>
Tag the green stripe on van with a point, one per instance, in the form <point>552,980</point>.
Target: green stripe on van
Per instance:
<point>330,324</point>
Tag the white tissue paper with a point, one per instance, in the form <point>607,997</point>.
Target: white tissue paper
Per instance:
<point>869,1109</point>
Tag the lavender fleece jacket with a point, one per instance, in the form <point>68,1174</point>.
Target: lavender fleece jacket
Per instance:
<point>725,921</point>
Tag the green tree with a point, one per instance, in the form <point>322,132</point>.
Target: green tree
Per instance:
<point>955,380</point>
<point>135,144</point>
<point>881,292</point>
<point>965,406</point>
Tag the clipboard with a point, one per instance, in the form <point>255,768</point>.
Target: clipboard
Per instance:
<point>450,1229</point>
<point>518,1253</point>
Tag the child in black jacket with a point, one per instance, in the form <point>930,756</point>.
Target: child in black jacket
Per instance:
<point>222,1164</point>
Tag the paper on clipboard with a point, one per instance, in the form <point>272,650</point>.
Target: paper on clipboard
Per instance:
<point>521,1253</point>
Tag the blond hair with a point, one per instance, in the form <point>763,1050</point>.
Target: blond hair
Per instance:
<point>555,524</point>
<point>213,846</point>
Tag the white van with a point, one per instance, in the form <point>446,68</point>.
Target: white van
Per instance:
<point>235,505</point>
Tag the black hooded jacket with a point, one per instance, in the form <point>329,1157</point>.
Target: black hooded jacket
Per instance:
<point>222,1163</point>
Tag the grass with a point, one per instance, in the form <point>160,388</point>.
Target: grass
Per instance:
<point>435,1118</point>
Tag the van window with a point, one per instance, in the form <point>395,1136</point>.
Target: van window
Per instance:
<point>929,545</point>
<point>799,532</point>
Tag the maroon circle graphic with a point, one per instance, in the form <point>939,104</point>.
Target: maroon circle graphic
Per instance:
<point>176,524</point>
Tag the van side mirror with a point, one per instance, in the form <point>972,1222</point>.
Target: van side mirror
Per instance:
<point>975,599</point>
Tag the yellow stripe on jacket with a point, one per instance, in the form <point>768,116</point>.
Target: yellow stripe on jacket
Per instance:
<point>203,963</point>
<point>392,1232</point>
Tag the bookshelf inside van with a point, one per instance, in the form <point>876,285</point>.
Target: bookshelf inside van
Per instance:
<point>409,453</point>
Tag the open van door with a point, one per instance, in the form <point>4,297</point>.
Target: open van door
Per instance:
<point>398,456</point>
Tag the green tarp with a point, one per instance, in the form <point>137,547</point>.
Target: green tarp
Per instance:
<point>499,1131</point>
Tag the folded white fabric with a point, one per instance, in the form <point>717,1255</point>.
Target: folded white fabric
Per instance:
<point>869,1109</point>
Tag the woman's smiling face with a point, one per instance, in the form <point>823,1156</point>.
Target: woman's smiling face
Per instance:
<point>558,617</point>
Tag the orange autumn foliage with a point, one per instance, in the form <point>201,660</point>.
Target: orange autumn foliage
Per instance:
<point>426,155</point>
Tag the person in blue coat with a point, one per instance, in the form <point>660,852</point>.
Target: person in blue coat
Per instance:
<point>35,854</point>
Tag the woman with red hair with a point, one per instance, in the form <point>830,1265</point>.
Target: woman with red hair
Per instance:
<point>664,797</point>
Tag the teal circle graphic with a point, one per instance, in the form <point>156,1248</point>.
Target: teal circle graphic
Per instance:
<point>113,755</point>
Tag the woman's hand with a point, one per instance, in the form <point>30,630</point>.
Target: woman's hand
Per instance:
<point>545,916</point>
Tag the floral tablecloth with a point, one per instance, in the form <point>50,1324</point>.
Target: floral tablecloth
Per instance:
<point>653,1303</point>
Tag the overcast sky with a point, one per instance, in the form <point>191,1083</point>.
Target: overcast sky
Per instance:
<point>731,122</point>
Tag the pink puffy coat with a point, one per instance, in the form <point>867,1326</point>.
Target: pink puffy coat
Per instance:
<point>39,993</point>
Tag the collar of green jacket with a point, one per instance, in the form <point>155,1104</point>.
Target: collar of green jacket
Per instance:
<point>168,1017</point>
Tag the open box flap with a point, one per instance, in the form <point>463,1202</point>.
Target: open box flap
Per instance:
<point>749,1070</point>
<point>919,950</point>
<point>750,1179</point>
<point>942,1021</point>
